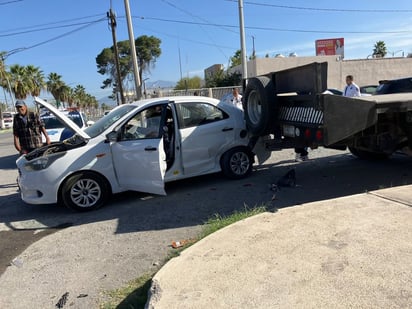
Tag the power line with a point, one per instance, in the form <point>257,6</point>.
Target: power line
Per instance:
<point>270,28</point>
<point>43,29</point>
<point>325,9</point>
<point>53,23</point>
<point>59,36</point>
<point>9,2</point>
<point>200,18</point>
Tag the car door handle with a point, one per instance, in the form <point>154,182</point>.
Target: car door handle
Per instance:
<point>227,129</point>
<point>150,148</point>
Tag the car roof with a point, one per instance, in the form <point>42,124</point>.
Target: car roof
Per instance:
<point>177,99</point>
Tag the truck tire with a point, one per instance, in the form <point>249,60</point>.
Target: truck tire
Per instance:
<point>368,155</point>
<point>259,105</point>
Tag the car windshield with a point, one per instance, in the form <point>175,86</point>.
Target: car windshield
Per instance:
<point>7,115</point>
<point>106,121</point>
<point>51,122</point>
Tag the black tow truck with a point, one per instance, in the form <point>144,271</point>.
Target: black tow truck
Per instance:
<point>293,109</point>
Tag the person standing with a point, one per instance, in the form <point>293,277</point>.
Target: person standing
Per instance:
<point>237,99</point>
<point>27,129</point>
<point>351,89</point>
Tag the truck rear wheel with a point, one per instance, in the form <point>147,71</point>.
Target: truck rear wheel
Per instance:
<point>259,105</point>
<point>368,155</point>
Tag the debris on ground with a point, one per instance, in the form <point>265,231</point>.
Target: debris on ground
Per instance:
<point>17,262</point>
<point>181,243</point>
<point>287,180</point>
<point>82,295</point>
<point>62,301</point>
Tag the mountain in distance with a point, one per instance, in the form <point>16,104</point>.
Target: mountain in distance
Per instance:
<point>160,84</point>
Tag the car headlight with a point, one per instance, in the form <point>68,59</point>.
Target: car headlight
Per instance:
<point>42,163</point>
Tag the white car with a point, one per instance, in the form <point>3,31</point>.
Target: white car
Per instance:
<point>139,147</point>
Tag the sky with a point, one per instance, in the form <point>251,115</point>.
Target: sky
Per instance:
<point>65,36</point>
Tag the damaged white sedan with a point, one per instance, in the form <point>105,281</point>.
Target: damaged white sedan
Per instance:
<point>139,147</point>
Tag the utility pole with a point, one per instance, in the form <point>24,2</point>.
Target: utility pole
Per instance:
<point>133,50</point>
<point>113,25</point>
<point>242,40</point>
<point>253,52</point>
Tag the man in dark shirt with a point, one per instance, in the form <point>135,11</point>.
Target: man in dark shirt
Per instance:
<point>27,129</point>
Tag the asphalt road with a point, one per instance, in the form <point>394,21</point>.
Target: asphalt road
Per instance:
<point>60,251</point>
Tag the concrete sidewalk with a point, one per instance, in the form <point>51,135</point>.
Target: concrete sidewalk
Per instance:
<point>351,252</point>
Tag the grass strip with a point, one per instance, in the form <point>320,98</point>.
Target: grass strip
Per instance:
<point>134,294</point>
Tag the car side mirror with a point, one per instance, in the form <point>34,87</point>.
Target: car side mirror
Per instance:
<point>112,136</point>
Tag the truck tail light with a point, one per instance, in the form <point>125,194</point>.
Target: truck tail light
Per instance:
<point>319,135</point>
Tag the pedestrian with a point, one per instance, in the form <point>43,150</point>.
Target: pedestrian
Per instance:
<point>351,89</point>
<point>237,99</point>
<point>27,129</point>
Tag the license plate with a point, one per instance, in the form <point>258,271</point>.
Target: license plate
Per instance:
<point>289,131</point>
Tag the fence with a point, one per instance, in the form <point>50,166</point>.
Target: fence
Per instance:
<point>217,93</point>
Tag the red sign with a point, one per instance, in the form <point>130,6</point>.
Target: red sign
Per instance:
<point>330,47</point>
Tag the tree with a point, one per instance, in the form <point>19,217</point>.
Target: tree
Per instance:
<point>55,86</point>
<point>379,49</point>
<point>147,51</point>
<point>224,79</point>
<point>236,59</point>
<point>3,71</point>
<point>189,83</point>
<point>36,78</point>
<point>20,82</point>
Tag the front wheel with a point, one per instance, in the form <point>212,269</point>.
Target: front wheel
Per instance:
<point>85,191</point>
<point>237,163</point>
<point>368,155</point>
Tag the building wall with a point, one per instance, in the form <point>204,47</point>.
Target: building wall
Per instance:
<point>365,71</point>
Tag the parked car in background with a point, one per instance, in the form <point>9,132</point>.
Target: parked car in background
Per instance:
<point>7,120</point>
<point>56,129</point>
<point>139,147</point>
<point>394,86</point>
<point>369,89</point>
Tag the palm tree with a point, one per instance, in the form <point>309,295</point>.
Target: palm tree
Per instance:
<point>20,81</point>
<point>55,86</point>
<point>36,78</point>
<point>379,49</point>
<point>79,94</point>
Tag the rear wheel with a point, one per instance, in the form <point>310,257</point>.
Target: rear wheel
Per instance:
<point>259,105</point>
<point>368,155</point>
<point>237,163</point>
<point>85,191</point>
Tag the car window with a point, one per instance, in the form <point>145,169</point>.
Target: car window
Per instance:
<point>52,122</point>
<point>105,122</point>
<point>395,86</point>
<point>198,113</point>
<point>145,124</point>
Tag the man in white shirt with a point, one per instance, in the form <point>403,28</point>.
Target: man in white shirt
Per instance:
<point>351,89</point>
<point>237,99</point>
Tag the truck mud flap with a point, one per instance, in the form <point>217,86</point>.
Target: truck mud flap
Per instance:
<point>343,117</point>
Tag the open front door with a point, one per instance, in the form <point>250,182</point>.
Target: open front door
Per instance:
<point>138,155</point>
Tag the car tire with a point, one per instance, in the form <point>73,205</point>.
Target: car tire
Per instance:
<point>259,105</point>
<point>85,191</point>
<point>368,155</point>
<point>237,163</point>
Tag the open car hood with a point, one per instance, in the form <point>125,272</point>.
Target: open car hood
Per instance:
<point>64,119</point>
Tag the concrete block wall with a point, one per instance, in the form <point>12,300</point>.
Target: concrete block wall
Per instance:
<point>365,71</point>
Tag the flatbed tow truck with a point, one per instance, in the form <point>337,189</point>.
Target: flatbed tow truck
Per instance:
<point>292,109</point>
